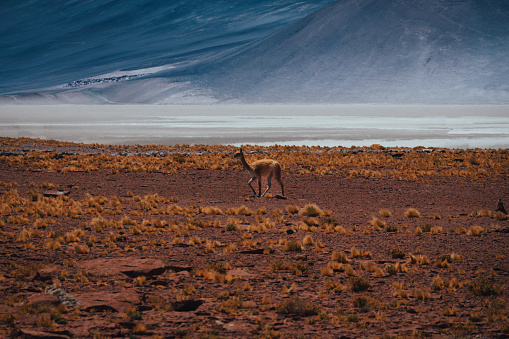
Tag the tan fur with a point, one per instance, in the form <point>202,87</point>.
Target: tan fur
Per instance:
<point>262,168</point>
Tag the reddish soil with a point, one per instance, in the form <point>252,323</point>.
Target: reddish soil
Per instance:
<point>120,295</point>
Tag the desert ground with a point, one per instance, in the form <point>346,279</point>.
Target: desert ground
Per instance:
<point>101,241</point>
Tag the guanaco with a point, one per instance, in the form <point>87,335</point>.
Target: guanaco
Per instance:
<point>262,168</point>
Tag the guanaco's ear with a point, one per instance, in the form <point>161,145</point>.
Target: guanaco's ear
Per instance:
<point>240,150</point>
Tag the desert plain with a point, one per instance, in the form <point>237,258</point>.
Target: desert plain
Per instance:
<point>103,241</point>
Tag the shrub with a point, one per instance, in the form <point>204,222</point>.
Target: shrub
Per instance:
<point>385,213</point>
<point>427,228</point>
<point>397,253</point>
<point>391,228</point>
<point>296,306</point>
<point>292,209</point>
<point>219,267</point>
<point>329,221</point>
<point>292,245</point>
<point>339,256</point>
<point>278,265</point>
<point>231,227</point>
<point>483,286</point>
<point>391,269</point>
<point>366,303</point>
<point>334,286</point>
<point>437,283</point>
<point>359,284</point>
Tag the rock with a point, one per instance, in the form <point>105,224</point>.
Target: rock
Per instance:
<point>178,268</point>
<point>34,334</point>
<point>132,267</point>
<point>64,297</point>
<point>43,298</point>
<point>186,305</point>
<point>117,301</point>
<point>55,193</point>
<point>241,273</point>
<point>257,251</point>
<point>45,274</point>
<point>500,207</point>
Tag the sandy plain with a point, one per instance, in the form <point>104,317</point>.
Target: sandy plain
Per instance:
<point>168,242</point>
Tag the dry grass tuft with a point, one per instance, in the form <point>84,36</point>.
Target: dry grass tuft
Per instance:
<point>475,230</point>
<point>339,256</point>
<point>308,240</point>
<point>437,283</point>
<point>412,213</point>
<point>397,253</point>
<point>81,249</point>
<point>311,210</point>
<point>292,209</point>
<point>292,246</point>
<point>298,307</point>
<point>500,216</point>
<point>359,284</point>
<point>211,210</point>
<point>242,210</point>
<point>377,223</point>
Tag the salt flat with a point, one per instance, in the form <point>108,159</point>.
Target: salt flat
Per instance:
<point>452,126</point>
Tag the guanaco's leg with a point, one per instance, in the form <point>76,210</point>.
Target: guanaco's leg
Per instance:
<point>249,183</point>
<point>281,184</point>
<point>269,179</point>
<point>277,176</point>
<point>260,186</point>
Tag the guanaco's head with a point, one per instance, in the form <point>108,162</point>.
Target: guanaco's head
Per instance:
<point>238,154</point>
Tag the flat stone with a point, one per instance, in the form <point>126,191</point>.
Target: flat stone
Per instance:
<point>117,301</point>
<point>55,193</point>
<point>132,267</point>
<point>34,334</point>
<point>43,298</point>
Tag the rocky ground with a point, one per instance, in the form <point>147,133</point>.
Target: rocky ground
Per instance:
<point>106,253</point>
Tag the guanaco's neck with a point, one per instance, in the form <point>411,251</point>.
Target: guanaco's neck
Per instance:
<point>244,163</point>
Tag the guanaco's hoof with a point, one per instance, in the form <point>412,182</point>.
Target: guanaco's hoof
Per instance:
<point>280,197</point>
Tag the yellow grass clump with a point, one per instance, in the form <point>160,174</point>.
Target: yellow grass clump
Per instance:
<point>242,210</point>
<point>81,249</point>
<point>311,210</point>
<point>475,230</point>
<point>339,256</point>
<point>412,213</point>
<point>292,209</point>
<point>377,224</point>
<point>308,240</point>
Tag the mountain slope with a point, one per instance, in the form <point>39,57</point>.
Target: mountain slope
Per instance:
<point>369,51</point>
<point>350,51</point>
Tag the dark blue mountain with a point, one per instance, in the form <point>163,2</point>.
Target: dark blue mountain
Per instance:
<point>350,51</point>
<point>46,43</point>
